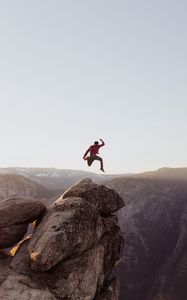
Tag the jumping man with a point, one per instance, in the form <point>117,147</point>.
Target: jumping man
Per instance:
<point>94,150</point>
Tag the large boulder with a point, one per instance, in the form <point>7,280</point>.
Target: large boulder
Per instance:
<point>103,198</point>
<point>79,277</point>
<point>12,234</point>
<point>75,278</point>
<point>68,229</point>
<point>15,216</point>
<point>15,211</point>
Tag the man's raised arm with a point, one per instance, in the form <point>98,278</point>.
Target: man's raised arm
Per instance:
<point>103,143</point>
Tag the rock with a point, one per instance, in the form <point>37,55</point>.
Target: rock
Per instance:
<point>109,222</point>
<point>18,210</point>
<point>103,198</point>
<point>68,229</point>
<point>5,260</point>
<point>112,242</point>
<point>15,216</point>
<point>82,275</point>
<point>79,277</point>
<point>71,253</point>
<point>23,288</point>
<point>21,260</point>
<point>11,235</point>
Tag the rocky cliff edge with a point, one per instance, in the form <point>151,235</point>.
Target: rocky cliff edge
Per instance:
<point>72,252</point>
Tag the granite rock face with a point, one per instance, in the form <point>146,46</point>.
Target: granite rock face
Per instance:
<point>79,277</point>
<point>71,254</point>
<point>68,229</point>
<point>106,200</point>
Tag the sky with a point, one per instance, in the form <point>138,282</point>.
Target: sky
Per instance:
<point>75,71</point>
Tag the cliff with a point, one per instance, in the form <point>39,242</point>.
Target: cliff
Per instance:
<point>73,250</point>
<point>154,223</point>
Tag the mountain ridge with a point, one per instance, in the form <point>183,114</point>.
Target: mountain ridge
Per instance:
<point>57,179</point>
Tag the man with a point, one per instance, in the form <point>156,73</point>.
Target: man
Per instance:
<point>94,150</point>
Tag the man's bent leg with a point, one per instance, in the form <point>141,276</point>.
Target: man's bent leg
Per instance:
<point>101,161</point>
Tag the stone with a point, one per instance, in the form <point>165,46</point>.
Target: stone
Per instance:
<point>12,234</point>
<point>112,242</point>
<point>5,260</point>
<point>106,200</point>
<point>18,210</point>
<point>71,254</point>
<point>21,260</point>
<point>78,277</point>
<point>68,229</point>
<point>15,216</point>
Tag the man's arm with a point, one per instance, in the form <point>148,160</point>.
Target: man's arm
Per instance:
<point>103,143</point>
<point>87,151</point>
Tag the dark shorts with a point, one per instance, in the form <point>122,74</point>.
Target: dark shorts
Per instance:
<point>91,159</point>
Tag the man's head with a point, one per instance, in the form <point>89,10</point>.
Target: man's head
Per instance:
<point>96,143</point>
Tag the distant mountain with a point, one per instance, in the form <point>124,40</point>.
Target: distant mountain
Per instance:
<point>16,185</point>
<point>120,183</point>
<point>166,173</point>
<point>57,179</point>
<point>154,223</point>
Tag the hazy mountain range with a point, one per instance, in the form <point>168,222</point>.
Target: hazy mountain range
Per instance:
<point>58,179</point>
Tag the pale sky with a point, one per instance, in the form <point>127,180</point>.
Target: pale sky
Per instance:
<point>74,71</point>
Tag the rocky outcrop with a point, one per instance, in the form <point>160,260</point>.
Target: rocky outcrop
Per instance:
<point>15,216</point>
<point>106,200</point>
<point>72,252</point>
<point>68,229</point>
<point>79,277</point>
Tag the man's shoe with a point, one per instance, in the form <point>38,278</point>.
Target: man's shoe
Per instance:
<point>102,170</point>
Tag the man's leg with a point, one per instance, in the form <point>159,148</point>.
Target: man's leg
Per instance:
<point>101,161</point>
<point>90,160</point>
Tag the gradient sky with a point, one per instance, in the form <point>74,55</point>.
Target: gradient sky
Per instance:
<point>72,72</point>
